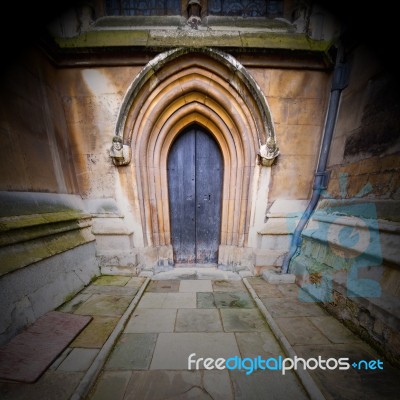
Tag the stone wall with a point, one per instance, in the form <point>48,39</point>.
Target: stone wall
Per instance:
<point>35,149</point>
<point>349,256</point>
<point>47,250</point>
<point>93,96</point>
<point>297,99</point>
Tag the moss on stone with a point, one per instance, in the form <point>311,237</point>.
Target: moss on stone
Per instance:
<point>22,254</point>
<point>26,221</point>
<point>178,38</point>
<point>108,38</point>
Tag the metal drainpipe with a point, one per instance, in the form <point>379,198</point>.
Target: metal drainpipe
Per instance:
<point>339,82</point>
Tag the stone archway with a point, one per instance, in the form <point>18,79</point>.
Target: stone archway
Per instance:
<point>213,90</point>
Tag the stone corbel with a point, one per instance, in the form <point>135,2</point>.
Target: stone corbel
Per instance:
<point>268,153</point>
<point>120,153</point>
<point>194,13</point>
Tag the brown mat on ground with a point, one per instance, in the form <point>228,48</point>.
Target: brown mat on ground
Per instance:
<point>31,352</point>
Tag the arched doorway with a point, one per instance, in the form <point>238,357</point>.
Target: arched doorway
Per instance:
<point>195,174</point>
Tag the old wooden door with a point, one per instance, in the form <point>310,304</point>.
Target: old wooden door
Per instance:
<point>195,172</point>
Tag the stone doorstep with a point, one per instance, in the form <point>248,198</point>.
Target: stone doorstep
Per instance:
<point>275,277</point>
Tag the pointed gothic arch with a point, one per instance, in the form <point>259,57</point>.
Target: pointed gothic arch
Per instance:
<point>207,87</point>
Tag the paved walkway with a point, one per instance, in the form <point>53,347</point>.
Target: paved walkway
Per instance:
<point>212,318</point>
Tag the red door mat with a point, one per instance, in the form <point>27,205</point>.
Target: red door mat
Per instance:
<point>31,352</point>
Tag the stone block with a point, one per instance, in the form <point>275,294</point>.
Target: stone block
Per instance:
<point>297,84</point>
<point>275,242</point>
<point>278,278</point>
<point>299,140</point>
<point>245,274</point>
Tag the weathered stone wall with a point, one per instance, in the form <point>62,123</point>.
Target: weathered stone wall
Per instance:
<point>93,96</point>
<point>47,250</point>
<point>349,256</point>
<point>297,99</point>
<point>35,149</point>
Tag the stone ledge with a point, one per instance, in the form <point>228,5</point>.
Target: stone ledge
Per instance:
<point>378,240</point>
<point>22,228</point>
<point>147,37</point>
<point>22,254</point>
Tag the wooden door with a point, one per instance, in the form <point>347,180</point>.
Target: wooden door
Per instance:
<point>195,172</point>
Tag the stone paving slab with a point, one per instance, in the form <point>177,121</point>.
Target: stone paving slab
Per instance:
<point>161,385</point>
<point>334,330</point>
<point>60,359</point>
<point>52,385</point>
<point>254,344</point>
<point>111,290</point>
<point>29,354</point>
<point>233,300</point>
<point>113,280</point>
<point>268,291</point>
<point>74,303</point>
<point>198,320</point>
<point>165,286</point>
<point>168,300</point>
<point>291,290</point>
<point>228,286</point>
<point>292,308</point>
<point>96,333</point>
<point>180,300</point>
<point>179,385</point>
<point>132,351</point>
<point>237,320</point>
<point>196,273</point>
<point>218,384</point>
<point>190,286</point>
<point>111,385</point>
<point>78,360</point>
<point>148,320</point>
<point>106,305</point>
<point>205,300</point>
<point>152,300</point>
<point>135,282</point>
<point>352,384</point>
<point>300,330</point>
<point>173,349</point>
<point>266,385</point>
